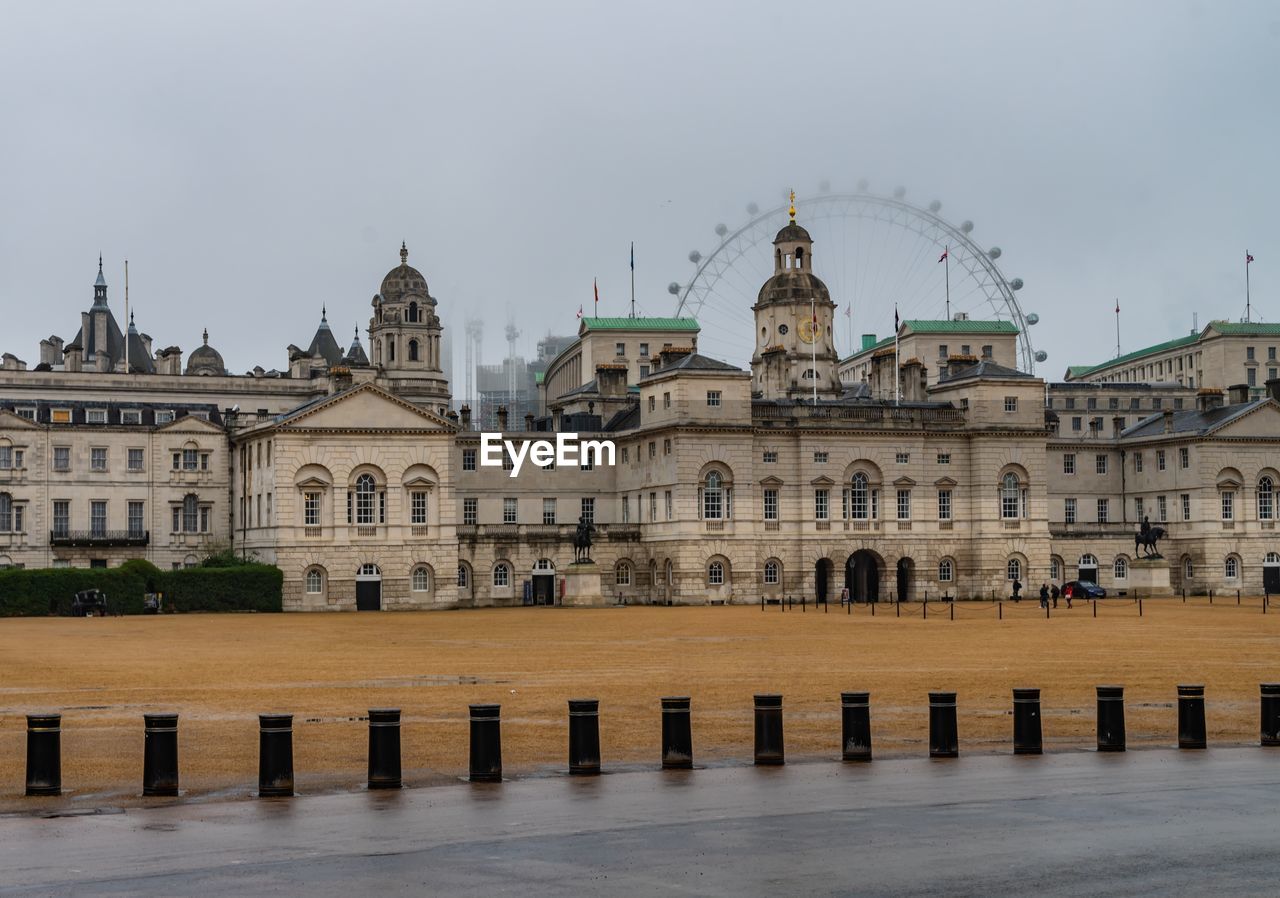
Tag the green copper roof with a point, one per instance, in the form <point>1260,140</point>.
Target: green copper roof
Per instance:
<point>689,325</point>
<point>1245,329</point>
<point>961,327</point>
<point>539,376</point>
<point>1085,370</point>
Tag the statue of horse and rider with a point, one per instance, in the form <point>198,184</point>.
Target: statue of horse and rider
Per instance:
<point>582,540</point>
<point>1147,538</point>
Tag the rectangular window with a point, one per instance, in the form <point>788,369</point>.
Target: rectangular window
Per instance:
<point>164,417</point>
<point>653,449</point>
<point>98,459</point>
<point>666,400</point>
<point>942,350</point>
<point>98,518</point>
<point>1138,507</point>
<point>644,370</point>
<point>944,505</point>
<point>1159,459</point>
<point>771,504</point>
<point>653,506</point>
<point>626,510</point>
<point>821,505</point>
<point>1011,403</point>
<point>1184,457</point>
<point>1104,507</point>
<point>418,507</point>
<point>136,518</point>
<point>1100,463</point>
<point>130,416</point>
<point>653,403</point>
<point>1113,403</point>
<point>135,459</point>
<point>1069,463</point>
<point>589,460</point>
<point>1077,423</point>
<point>61,517</point>
<point>508,460</point>
<point>548,511</point>
<point>1137,462</point>
<point>1071,402</point>
<point>1228,505</point>
<point>468,459</point>
<point>666,447</point>
<point>6,457</point>
<point>713,398</point>
<point>904,505</point>
<point>469,515</point>
<point>509,509</point>
<point>619,348</point>
<point>820,458</point>
<point>1248,353</point>
<point>902,458</point>
<point>644,349</point>
<point>311,509</point>
<point>28,413</point>
<point>1091,403</point>
<point>667,499</point>
<point>944,458</point>
<point>60,416</point>
<point>770,456</point>
<point>1069,511</point>
<point>987,351</point>
<point>1186,506</point>
<point>95,416</point>
<point>1162,508</point>
<point>191,459</point>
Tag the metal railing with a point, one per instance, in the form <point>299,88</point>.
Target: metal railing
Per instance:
<point>95,537</point>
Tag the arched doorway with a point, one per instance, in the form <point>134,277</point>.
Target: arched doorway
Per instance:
<point>822,580</point>
<point>1271,573</point>
<point>1087,570</point>
<point>862,576</point>
<point>368,588</point>
<point>906,567</point>
<point>544,582</point>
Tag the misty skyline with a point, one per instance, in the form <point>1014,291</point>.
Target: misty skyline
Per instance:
<point>257,163</point>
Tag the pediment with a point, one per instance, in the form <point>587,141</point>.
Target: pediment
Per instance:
<point>904,481</point>
<point>824,480</point>
<point>945,481</point>
<point>771,480</point>
<point>313,483</point>
<point>1262,422</point>
<point>189,424</point>
<point>11,421</point>
<point>420,483</point>
<point>367,407</point>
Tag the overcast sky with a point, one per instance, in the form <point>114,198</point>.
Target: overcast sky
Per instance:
<point>257,161</point>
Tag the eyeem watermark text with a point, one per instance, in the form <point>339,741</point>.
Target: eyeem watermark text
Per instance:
<point>566,450</point>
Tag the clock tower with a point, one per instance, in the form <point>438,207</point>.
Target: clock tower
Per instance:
<point>795,354</point>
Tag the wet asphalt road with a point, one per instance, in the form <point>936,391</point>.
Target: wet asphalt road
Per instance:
<point>1148,822</point>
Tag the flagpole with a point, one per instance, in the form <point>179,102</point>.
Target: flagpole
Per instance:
<point>946,258</point>
<point>633,279</point>
<point>126,315</point>
<point>1117,327</point>
<point>1247,311</point>
<point>897,386</point>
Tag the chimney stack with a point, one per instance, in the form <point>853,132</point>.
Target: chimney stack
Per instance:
<point>72,357</point>
<point>1273,389</point>
<point>1208,399</point>
<point>1237,394</point>
<point>528,422</point>
<point>1117,424</point>
<point>464,413</point>
<point>502,418</point>
<point>1168,420</point>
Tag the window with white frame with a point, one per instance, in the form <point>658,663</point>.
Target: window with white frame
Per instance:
<point>1010,493</point>
<point>1055,568</point>
<point>1104,511</point>
<point>1188,569</point>
<point>1137,462</point>
<point>713,398</point>
<point>1160,463</point>
<point>1228,505</point>
<point>588,508</point>
<point>904,505</point>
<point>902,458</point>
<point>1069,510</point>
<point>820,458</point>
<point>1138,507</point>
<point>501,574</point>
<point>469,510</point>
<point>1266,498</point>
<point>1100,463</point>
<point>1013,570</point>
<point>315,581</point>
<point>95,416</point>
<point>622,574</point>
<point>859,497</point>
<point>1231,568</point>
<point>1011,403</point>
<point>770,456</point>
<point>944,458</point>
<point>772,573</point>
<point>464,576</point>
<point>1184,457</point>
<point>946,570</point>
<point>821,504</point>
<point>136,519</point>
<point>653,507</point>
<point>468,459</point>
<point>667,499</point>
<point>510,509</point>
<point>1121,568</point>
<point>98,458</point>
<point>944,505</point>
<point>770,503</point>
<point>421,579</point>
<point>715,573</point>
<point>98,517</point>
<point>1186,506</point>
<point>548,511</point>
<point>713,497</point>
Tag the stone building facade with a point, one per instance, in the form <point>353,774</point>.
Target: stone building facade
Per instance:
<point>933,472</point>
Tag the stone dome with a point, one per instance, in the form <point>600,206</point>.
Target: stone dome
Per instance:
<point>791,233</point>
<point>404,280</point>
<point>792,286</point>
<point>206,360</point>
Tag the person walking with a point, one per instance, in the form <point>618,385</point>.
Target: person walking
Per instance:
<point>1054,592</point>
<point>1044,595</point>
<point>1017,588</point>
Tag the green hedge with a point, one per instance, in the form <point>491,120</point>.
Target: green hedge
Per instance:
<point>249,587</point>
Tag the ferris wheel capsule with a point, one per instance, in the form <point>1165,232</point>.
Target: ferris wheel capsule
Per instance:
<point>722,229</point>
<point>899,192</point>
<point>753,209</point>
<point>1033,318</point>
<point>1016,283</point>
<point>673,288</point>
<point>994,252</point>
<point>935,207</point>
<point>966,226</point>
<point>695,257</point>
<point>1041,355</point>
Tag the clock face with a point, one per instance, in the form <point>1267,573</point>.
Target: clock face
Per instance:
<point>807,330</point>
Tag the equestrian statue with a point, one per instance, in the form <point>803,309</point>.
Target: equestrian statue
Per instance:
<point>1147,538</point>
<point>582,541</point>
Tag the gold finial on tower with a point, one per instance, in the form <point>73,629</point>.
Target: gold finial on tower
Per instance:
<point>793,205</point>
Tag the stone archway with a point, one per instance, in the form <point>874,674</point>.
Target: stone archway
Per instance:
<point>905,574</point>
<point>862,576</point>
<point>822,580</point>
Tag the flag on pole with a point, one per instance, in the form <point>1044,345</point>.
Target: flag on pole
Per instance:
<point>633,255</point>
<point>595,288</point>
<point>1247,258</point>
<point>579,312</point>
<point>1117,307</point>
<point>946,252</point>
<point>895,319</point>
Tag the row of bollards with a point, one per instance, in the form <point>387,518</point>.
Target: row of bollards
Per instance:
<point>275,737</point>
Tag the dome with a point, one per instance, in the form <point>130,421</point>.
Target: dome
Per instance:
<point>404,280</point>
<point>206,360</point>
<point>793,286</point>
<point>791,233</point>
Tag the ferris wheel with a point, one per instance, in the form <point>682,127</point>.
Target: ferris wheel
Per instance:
<point>875,253</point>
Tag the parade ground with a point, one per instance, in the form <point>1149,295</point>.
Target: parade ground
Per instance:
<point>220,671</point>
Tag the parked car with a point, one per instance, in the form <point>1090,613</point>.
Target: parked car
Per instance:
<point>89,603</point>
<point>1083,589</point>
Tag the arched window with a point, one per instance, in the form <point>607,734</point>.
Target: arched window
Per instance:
<point>1272,558</point>
<point>6,512</point>
<point>671,573</point>
<point>413,350</point>
<point>622,574</point>
<point>1055,568</point>
<point>1087,560</point>
<point>366,499</point>
<point>464,576</point>
<point>391,350</point>
<point>1013,571</point>
<point>1188,569</point>
<point>1010,493</point>
<point>1121,568</point>
<point>502,574</point>
<point>859,503</point>
<point>413,312</point>
<point>1231,568</point>
<point>315,581</point>
<point>715,573</point>
<point>946,570</point>
<point>190,513</point>
<point>772,573</point>
<point>421,579</point>
<point>1266,499</point>
<point>713,497</point>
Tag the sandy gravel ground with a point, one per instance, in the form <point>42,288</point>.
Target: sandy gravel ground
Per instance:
<point>220,671</point>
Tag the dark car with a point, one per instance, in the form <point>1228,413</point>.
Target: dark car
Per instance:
<point>88,603</point>
<point>1083,589</point>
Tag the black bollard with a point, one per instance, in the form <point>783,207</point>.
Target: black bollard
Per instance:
<point>275,755</point>
<point>1270,714</point>
<point>486,744</point>
<point>384,748</point>
<point>584,736</point>
<point>677,734</point>
<point>769,739</point>
<point>855,726</point>
<point>1191,729</point>
<point>944,740</point>
<point>44,754</point>
<point>160,754</point>
<point>1027,737</point>
<point>1110,718</point>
